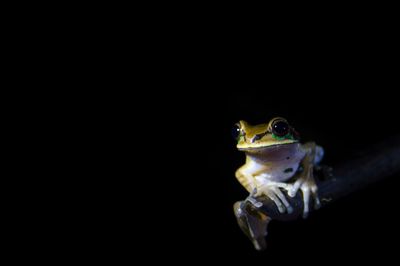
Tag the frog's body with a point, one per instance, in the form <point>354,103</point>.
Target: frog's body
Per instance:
<point>273,156</point>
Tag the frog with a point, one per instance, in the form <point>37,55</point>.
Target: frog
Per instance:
<point>277,162</point>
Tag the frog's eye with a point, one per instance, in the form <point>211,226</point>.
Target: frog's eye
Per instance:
<point>236,131</point>
<point>280,128</point>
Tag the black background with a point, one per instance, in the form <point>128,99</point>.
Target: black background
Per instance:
<point>147,167</point>
<point>186,187</point>
<point>341,123</point>
<point>168,183</point>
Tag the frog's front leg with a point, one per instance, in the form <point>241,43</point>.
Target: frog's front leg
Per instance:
<point>273,191</point>
<point>265,187</point>
<point>306,182</point>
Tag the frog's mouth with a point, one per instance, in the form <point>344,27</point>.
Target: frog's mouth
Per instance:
<point>272,146</point>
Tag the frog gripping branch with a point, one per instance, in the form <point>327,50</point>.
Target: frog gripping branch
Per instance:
<point>275,157</point>
<point>285,181</point>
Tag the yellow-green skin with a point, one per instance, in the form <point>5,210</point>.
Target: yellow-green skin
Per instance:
<point>272,161</point>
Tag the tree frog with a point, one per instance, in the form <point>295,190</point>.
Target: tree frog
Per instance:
<point>274,156</point>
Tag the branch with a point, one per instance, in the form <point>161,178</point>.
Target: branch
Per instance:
<point>374,164</point>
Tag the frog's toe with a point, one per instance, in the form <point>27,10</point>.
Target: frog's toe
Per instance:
<point>317,202</point>
<point>294,188</point>
<point>283,199</point>
<point>278,197</point>
<point>272,195</point>
<point>306,201</point>
<point>308,192</point>
<point>291,193</point>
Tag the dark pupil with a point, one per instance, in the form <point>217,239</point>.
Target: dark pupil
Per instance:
<point>235,132</point>
<point>280,128</point>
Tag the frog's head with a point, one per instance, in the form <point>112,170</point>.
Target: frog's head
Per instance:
<point>276,132</point>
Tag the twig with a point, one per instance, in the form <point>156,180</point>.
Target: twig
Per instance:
<point>376,163</point>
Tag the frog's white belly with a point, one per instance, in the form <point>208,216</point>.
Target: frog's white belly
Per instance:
<point>279,173</point>
<point>272,171</point>
<point>276,164</point>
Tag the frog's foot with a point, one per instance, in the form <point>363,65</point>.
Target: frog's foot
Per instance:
<point>273,192</point>
<point>308,189</point>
